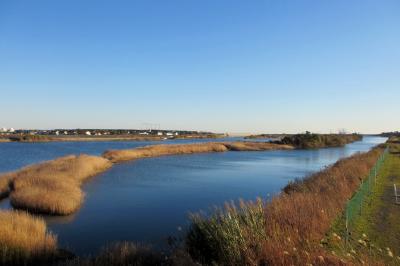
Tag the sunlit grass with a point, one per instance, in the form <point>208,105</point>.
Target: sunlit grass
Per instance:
<point>230,236</point>
<point>24,238</point>
<point>293,223</point>
<point>53,187</point>
<point>162,150</point>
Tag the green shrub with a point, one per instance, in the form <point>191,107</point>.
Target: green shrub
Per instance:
<point>230,236</point>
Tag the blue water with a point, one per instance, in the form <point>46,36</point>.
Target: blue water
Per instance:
<point>14,155</point>
<point>148,200</point>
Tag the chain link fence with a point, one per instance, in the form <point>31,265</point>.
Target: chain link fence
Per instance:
<point>354,206</point>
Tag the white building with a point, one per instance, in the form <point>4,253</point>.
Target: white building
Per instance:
<point>5,130</point>
<point>88,133</point>
<point>159,133</point>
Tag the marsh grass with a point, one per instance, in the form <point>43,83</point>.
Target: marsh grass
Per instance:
<point>5,183</point>
<point>53,187</point>
<point>162,150</point>
<point>24,238</point>
<point>294,222</point>
<point>255,146</point>
<point>230,236</point>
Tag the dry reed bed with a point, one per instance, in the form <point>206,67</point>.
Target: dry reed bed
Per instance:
<point>162,150</point>
<point>5,183</point>
<point>52,187</point>
<point>299,218</point>
<point>23,238</point>
<point>293,223</point>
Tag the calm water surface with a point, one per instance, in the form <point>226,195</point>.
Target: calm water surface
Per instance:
<point>148,200</point>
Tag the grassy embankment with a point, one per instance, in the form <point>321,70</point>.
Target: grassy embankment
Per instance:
<point>51,187</point>
<point>256,233</point>
<point>313,141</point>
<point>376,231</point>
<point>288,229</point>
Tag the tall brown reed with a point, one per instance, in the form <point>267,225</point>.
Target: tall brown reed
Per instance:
<point>24,238</point>
<point>294,222</point>
<point>53,187</point>
<point>162,150</point>
<point>5,183</point>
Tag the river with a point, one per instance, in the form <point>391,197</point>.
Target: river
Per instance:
<point>148,200</point>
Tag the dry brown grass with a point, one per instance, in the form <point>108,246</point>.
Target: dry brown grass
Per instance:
<point>23,237</point>
<point>297,220</point>
<point>5,182</point>
<point>162,150</point>
<point>53,187</point>
<point>255,146</point>
<point>294,222</point>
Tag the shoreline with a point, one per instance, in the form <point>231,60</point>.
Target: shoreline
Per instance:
<point>293,193</point>
<point>54,187</point>
<point>59,180</point>
<point>83,138</point>
<point>286,230</point>
<point>278,208</point>
<point>150,151</point>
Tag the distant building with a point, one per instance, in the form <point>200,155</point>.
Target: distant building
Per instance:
<point>88,133</point>
<point>57,132</point>
<point>159,133</point>
<point>5,130</point>
<point>169,134</point>
<point>144,133</point>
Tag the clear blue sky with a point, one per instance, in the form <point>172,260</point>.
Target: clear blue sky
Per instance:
<point>226,66</point>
